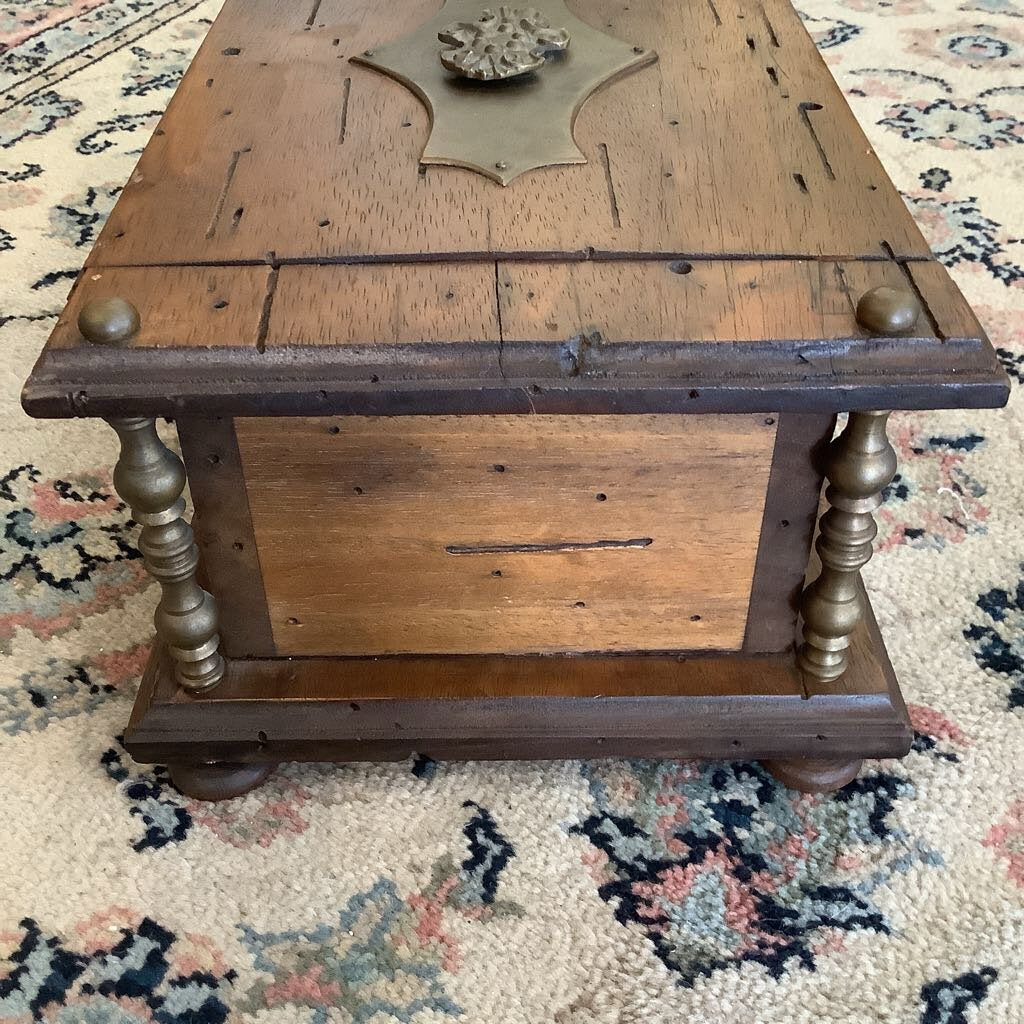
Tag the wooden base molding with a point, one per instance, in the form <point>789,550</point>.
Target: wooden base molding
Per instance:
<point>356,709</point>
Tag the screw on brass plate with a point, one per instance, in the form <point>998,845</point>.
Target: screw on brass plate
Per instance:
<point>501,165</point>
<point>886,310</point>
<point>112,321</point>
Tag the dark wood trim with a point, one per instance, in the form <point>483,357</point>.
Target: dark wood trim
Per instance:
<point>348,709</point>
<point>77,382</point>
<point>229,559</point>
<point>790,513</point>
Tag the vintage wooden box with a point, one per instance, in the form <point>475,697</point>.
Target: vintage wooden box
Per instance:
<point>526,467</point>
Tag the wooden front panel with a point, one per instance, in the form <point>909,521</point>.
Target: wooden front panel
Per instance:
<point>515,534</point>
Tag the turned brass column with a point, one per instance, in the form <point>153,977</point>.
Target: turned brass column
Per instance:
<point>860,463</point>
<point>859,466</point>
<point>151,479</point>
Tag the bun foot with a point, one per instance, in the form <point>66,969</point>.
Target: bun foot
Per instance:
<point>218,780</point>
<point>813,775</point>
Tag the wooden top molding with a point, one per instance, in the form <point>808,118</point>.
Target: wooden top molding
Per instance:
<point>277,147</point>
<point>514,336</point>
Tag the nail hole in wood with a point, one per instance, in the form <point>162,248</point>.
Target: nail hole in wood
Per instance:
<point>496,573</point>
<point>119,234</point>
<point>535,388</point>
<point>334,429</point>
<point>769,421</point>
<point>374,379</point>
<point>159,131</point>
<point>238,545</point>
<point>695,618</point>
<point>600,497</point>
<point>668,174</point>
<point>323,223</point>
<point>751,44</point>
<point>407,124</point>
<point>209,82</point>
<point>680,267</point>
<point>784,523</point>
<point>261,738</point>
<point>231,51</point>
<point>221,304</point>
<point>214,459</point>
<point>353,705</point>
<point>800,182</point>
<point>294,621</point>
<point>674,122</point>
<point>694,393</point>
<point>735,743</point>
<point>580,604</point>
<point>820,738</point>
<point>226,113</point>
<point>499,468</point>
<point>449,295</point>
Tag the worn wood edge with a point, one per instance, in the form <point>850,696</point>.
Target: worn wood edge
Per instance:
<point>222,524</point>
<point>58,391</point>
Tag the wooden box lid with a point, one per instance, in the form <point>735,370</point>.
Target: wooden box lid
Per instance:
<point>288,253</point>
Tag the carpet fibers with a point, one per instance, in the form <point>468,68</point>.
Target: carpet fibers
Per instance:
<point>564,893</point>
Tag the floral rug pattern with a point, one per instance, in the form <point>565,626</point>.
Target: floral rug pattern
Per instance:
<point>557,893</point>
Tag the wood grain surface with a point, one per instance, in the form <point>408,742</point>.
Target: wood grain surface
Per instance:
<point>736,142</point>
<point>179,307</point>
<point>506,534</point>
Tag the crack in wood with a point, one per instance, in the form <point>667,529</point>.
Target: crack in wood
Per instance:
<point>346,92</point>
<point>769,26</point>
<point>222,196</point>
<point>925,308</point>
<point>602,148</point>
<point>268,300</point>
<point>314,12</point>
<point>501,329</point>
<point>804,107</point>
<point>564,545</point>
<point>714,12</point>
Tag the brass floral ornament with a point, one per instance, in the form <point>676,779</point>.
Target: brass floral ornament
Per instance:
<point>488,112</point>
<point>514,41</point>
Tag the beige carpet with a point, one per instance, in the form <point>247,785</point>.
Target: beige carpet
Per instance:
<point>566,893</point>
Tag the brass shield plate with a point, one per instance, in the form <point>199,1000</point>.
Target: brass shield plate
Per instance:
<point>504,128</point>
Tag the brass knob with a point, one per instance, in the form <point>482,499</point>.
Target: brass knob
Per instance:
<point>110,321</point>
<point>886,310</point>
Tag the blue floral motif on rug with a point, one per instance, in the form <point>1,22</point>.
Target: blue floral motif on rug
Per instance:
<point>719,864</point>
